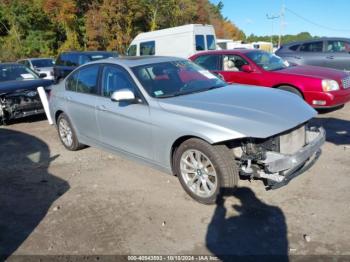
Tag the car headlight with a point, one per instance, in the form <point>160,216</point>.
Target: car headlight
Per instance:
<point>329,85</point>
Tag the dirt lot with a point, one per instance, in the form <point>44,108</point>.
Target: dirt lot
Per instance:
<point>53,201</point>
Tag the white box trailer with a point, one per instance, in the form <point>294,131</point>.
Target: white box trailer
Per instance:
<point>181,41</point>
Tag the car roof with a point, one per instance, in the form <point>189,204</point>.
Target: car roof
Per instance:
<point>10,64</point>
<point>132,61</point>
<point>227,51</point>
<point>37,58</point>
<point>317,39</point>
<point>88,52</point>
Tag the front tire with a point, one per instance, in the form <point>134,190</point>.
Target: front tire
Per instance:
<point>205,170</point>
<point>67,134</point>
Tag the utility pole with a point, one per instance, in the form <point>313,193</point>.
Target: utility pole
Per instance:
<point>272,17</point>
<point>281,25</point>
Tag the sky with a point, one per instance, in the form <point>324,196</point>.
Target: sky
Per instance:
<point>324,17</point>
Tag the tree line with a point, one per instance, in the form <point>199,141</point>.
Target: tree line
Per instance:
<point>284,39</point>
<point>33,28</point>
<point>37,28</point>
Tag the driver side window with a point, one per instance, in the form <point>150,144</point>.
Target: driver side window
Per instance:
<point>114,79</point>
<point>233,63</point>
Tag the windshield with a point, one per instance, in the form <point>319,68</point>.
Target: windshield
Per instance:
<point>267,61</point>
<point>42,63</point>
<point>15,73</point>
<point>175,78</point>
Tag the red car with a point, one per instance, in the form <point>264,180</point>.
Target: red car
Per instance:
<point>318,86</point>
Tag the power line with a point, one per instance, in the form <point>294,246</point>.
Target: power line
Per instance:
<point>316,24</point>
<point>272,18</point>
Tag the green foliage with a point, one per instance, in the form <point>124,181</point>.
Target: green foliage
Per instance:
<point>284,39</point>
<point>34,28</point>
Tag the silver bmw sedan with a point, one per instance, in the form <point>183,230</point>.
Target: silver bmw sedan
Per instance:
<point>182,119</point>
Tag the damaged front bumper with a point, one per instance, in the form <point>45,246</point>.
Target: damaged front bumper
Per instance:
<point>281,168</point>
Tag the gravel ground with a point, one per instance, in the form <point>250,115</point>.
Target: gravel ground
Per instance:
<point>56,202</point>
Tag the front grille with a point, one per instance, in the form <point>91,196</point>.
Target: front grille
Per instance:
<point>346,82</point>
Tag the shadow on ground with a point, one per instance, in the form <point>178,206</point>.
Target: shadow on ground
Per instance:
<point>251,231</point>
<point>27,190</point>
<point>28,119</point>
<point>337,130</point>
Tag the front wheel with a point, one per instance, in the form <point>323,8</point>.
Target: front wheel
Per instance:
<point>204,170</point>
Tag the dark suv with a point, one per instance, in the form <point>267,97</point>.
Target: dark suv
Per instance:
<point>67,61</point>
<point>327,52</point>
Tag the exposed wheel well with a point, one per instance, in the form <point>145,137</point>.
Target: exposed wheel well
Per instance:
<point>291,86</point>
<point>57,114</point>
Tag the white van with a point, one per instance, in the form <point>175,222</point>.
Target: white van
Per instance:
<point>181,41</point>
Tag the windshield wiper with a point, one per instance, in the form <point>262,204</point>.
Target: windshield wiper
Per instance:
<point>190,92</point>
<point>170,95</point>
<point>214,87</point>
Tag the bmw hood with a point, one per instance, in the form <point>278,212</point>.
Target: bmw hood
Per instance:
<point>15,86</point>
<point>248,110</point>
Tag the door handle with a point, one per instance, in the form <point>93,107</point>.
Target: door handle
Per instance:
<point>68,98</point>
<point>101,108</point>
<point>330,57</point>
<point>297,57</point>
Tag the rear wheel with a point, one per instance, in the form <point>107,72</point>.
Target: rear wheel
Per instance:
<point>205,170</point>
<point>67,134</point>
<point>291,90</point>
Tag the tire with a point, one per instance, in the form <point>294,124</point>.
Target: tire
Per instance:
<point>292,90</point>
<point>67,134</point>
<point>222,164</point>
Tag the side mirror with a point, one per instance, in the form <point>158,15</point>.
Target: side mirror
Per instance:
<point>247,69</point>
<point>42,75</point>
<point>123,95</point>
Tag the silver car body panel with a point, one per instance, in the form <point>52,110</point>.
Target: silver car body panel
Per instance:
<point>148,131</point>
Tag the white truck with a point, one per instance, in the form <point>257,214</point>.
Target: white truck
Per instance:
<point>181,41</point>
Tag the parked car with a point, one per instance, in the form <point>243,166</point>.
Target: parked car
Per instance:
<point>181,41</point>
<point>320,87</point>
<point>67,61</point>
<point>40,65</point>
<point>172,114</point>
<point>326,52</point>
<point>18,92</point>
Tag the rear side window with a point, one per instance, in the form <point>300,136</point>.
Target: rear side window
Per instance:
<point>211,42</point>
<point>209,62</point>
<point>147,48</point>
<point>200,45</point>
<point>84,80</point>
<point>294,47</point>
<point>71,83</point>
<point>312,47</point>
<point>132,50</point>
